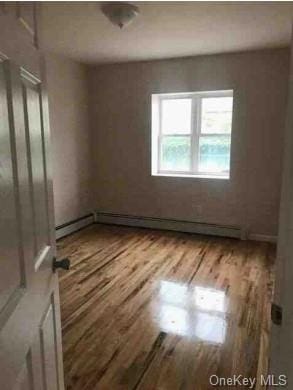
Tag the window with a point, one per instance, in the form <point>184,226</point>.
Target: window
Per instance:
<point>191,134</point>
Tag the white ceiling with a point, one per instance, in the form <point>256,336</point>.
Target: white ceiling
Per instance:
<point>165,29</point>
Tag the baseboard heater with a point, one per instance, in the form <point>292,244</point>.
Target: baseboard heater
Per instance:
<point>74,225</point>
<point>168,224</point>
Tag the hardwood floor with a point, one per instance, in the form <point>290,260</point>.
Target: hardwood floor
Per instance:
<point>145,309</point>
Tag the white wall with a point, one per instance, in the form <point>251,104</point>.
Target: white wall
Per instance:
<point>71,138</point>
<point>281,361</point>
<point>121,120</point>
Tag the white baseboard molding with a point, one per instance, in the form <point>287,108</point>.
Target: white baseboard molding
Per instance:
<point>73,226</point>
<point>168,224</point>
<point>262,237</point>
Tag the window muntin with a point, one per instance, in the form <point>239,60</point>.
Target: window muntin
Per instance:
<point>193,133</point>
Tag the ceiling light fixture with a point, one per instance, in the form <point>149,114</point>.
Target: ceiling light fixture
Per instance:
<point>120,13</point>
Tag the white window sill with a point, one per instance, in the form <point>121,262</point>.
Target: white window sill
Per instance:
<point>198,176</point>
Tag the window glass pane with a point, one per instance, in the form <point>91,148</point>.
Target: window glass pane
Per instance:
<point>214,154</point>
<point>175,153</point>
<point>176,116</point>
<point>216,115</point>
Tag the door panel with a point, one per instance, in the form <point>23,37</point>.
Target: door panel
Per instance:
<point>25,379</point>
<point>9,250</point>
<point>21,316</point>
<point>25,12</point>
<point>30,327</point>
<point>36,161</point>
<point>49,353</point>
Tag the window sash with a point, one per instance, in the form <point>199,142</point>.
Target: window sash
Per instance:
<point>160,146</point>
<point>195,134</point>
<point>218,135</point>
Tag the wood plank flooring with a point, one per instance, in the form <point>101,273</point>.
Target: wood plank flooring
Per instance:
<point>146,309</point>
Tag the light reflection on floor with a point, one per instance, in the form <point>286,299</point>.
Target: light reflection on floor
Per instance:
<point>196,312</point>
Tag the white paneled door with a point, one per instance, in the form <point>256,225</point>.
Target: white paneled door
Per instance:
<point>30,331</point>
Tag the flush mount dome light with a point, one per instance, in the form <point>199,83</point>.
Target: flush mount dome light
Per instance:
<point>120,13</point>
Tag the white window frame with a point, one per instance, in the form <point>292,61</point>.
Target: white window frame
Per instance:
<point>195,133</point>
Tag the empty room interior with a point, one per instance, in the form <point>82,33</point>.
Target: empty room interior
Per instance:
<point>158,183</point>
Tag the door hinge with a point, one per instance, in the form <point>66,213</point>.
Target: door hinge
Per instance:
<point>276,314</point>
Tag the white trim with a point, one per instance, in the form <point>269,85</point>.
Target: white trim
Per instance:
<point>194,135</point>
<point>212,93</point>
<point>25,74</point>
<point>168,224</point>
<point>210,176</point>
<point>42,256</point>
<point>74,226</point>
<point>3,57</point>
<point>262,237</point>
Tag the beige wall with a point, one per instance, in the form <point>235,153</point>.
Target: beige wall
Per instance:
<point>281,340</point>
<point>70,135</point>
<point>121,118</point>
